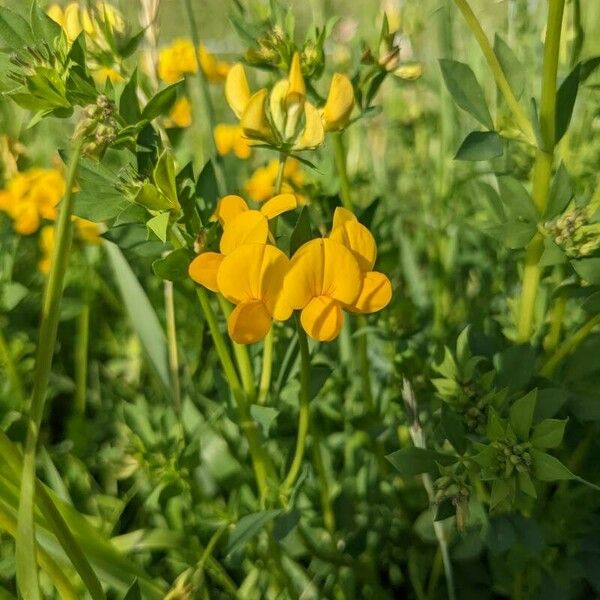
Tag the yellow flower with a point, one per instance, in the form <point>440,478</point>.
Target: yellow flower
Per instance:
<point>46,244</point>
<point>74,19</point>
<point>31,196</point>
<point>281,117</point>
<point>87,231</point>
<point>214,70</point>
<point>376,289</point>
<point>241,226</point>
<point>261,184</point>
<point>181,113</point>
<point>230,138</point>
<point>340,102</point>
<point>323,277</point>
<point>102,73</point>
<point>251,277</point>
<point>176,60</point>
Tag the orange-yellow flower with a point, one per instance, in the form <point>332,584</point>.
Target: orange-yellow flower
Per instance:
<point>261,184</point>
<point>340,102</point>
<point>214,70</point>
<point>241,225</point>
<point>181,113</point>
<point>251,277</point>
<point>231,138</point>
<point>376,289</point>
<point>323,278</point>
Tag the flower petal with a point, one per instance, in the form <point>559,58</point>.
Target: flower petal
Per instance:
<point>339,104</point>
<point>229,207</point>
<point>297,88</point>
<point>204,268</point>
<point>313,133</point>
<point>249,322</point>
<point>237,90</point>
<point>322,267</point>
<point>376,293</point>
<point>254,120</point>
<point>250,227</point>
<point>322,318</point>
<point>278,205</point>
<point>341,215</point>
<point>224,135</point>
<point>357,238</point>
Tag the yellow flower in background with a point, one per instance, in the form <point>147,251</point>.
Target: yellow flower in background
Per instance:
<point>251,277</point>
<point>230,138</point>
<point>261,184</point>
<point>376,289</point>
<point>31,196</point>
<point>74,19</point>
<point>180,59</point>
<point>281,116</point>
<point>46,244</point>
<point>241,226</point>
<point>214,70</point>
<point>102,73</point>
<point>181,113</point>
<point>322,279</point>
<point>87,231</point>
<point>339,104</point>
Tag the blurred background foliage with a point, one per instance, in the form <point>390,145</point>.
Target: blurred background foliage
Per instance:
<point>163,496</point>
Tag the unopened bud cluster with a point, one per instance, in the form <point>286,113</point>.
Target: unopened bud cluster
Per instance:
<point>574,233</point>
<point>99,126</point>
<point>455,490</point>
<point>512,457</point>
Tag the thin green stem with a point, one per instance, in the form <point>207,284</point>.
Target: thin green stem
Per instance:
<point>328,514</point>
<point>365,367</point>
<point>198,575</point>
<point>10,368</point>
<point>260,461</point>
<point>304,414</point>
<point>25,546</point>
<point>568,346</point>
<point>542,171</point>
<point>519,114</point>
<point>340,165</point>
<point>81,357</point>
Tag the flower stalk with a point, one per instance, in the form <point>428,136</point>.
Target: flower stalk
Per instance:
<point>25,546</point>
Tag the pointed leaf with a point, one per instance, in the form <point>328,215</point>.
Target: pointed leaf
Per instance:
<point>521,415</point>
<point>549,433</point>
<point>480,145</point>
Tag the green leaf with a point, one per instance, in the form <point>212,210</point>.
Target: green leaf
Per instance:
<point>496,428</point>
<point>447,367</point>
<point>466,91</point>
<point>141,313</point>
<point>512,67</point>
<point>249,526</point>
<point>15,32</point>
<point>526,484</point>
<point>265,416</point>
<point>549,433</point>
<point>159,225</point>
<point>453,429</point>
<point>588,269</point>
<point>513,234</point>
<point>501,490</point>
<point>133,593</point>
<point>480,145</point>
<point>560,194</point>
<point>516,199</point>
<point>515,366</point>
<point>43,27</point>
<point>162,102</point>
<point>565,101</point>
<point>207,187</point>
<point>164,178</point>
<point>486,457</point>
<point>521,415</point>
<point>129,105</point>
<point>174,266</point>
<point>150,197</point>
<point>302,232</point>
<point>548,468</point>
<point>414,461</point>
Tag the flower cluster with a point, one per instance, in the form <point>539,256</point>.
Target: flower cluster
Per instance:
<point>324,276</point>
<point>283,117</point>
<point>230,138</point>
<point>180,59</point>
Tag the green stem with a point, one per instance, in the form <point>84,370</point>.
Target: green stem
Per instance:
<point>81,357</point>
<point>365,372</point>
<point>6,359</point>
<point>340,165</point>
<point>198,576</point>
<point>328,515</point>
<point>542,171</point>
<point>568,346</point>
<point>304,414</point>
<point>260,462</point>
<point>557,316</point>
<point>501,81</point>
<point>241,355</point>
<point>25,547</point>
